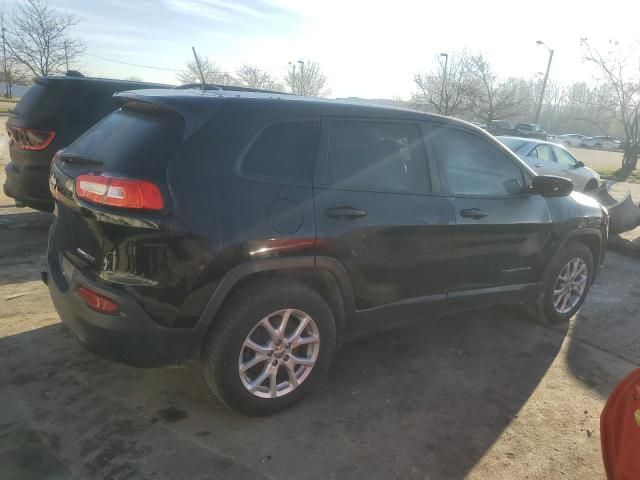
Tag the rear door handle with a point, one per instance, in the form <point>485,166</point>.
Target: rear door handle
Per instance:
<point>538,165</point>
<point>348,213</point>
<point>474,213</point>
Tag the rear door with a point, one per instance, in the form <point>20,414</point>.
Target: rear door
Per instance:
<point>501,229</point>
<point>543,161</point>
<point>380,212</point>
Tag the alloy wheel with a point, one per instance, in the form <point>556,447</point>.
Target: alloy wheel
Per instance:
<point>279,353</point>
<point>570,285</point>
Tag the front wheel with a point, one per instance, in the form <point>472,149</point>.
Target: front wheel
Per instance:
<point>565,285</point>
<point>272,343</point>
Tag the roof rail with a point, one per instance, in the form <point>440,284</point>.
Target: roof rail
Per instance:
<point>231,88</point>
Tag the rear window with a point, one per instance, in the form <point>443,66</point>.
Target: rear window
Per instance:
<point>130,141</point>
<point>41,104</point>
<point>283,152</point>
<point>513,144</point>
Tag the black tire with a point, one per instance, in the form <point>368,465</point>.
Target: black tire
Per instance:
<point>245,308</point>
<point>591,186</point>
<point>542,309</point>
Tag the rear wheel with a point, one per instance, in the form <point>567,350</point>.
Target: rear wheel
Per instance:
<point>272,344</point>
<point>565,285</point>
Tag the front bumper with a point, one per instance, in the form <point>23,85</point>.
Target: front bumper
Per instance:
<point>130,337</point>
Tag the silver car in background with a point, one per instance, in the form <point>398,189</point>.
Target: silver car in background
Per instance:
<point>548,158</point>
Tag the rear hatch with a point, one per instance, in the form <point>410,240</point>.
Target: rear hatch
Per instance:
<point>133,144</point>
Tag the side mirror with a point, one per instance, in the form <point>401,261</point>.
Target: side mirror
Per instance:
<point>550,186</point>
<point>579,164</point>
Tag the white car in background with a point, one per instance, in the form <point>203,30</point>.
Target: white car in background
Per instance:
<point>548,158</point>
<point>603,143</point>
<point>569,139</point>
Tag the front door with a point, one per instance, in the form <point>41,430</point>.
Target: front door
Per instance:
<point>378,213</point>
<point>501,229</point>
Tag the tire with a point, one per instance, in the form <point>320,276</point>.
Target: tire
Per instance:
<point>543,309</point>
<point>241,319</point>
<point>591,186</point>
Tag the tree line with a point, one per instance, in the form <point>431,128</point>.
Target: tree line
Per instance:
<point>465,86</point>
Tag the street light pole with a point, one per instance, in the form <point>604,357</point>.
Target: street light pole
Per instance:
<point>444,79</point>
<point>544,83</point>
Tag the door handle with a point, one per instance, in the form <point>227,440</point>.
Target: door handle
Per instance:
<point>348,213</point>
<point>537,165</point>
<point>474,213</point>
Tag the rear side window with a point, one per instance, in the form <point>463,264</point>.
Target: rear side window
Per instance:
<point>473,166</point>
<point>377,156</point>
<point>543,152</point>
<point>284,152</point>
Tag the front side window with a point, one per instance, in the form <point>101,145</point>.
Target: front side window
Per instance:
<point>284,152</point>
<point>473,166</point>
<point>565,158</point>
<point>377,156</point>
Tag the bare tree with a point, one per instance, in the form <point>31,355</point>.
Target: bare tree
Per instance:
<point>133,78</point>
<point>306,78</point>
<point>449,87</point>
<point>252,77</point>
<point>38,38</point>
<point>210,71</point>
<point>625,85</point>
<point>13,73</point>
<point>492,98</point>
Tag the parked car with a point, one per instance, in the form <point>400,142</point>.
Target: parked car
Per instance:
<point>258,231</point>
<point>569,139</point>
<point>51,115</point>
<point>603,143</point>
<point>500,127</point>
<point>530,130</point>
<point>548,158</point>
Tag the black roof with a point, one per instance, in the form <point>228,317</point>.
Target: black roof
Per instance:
<point>197,106</point>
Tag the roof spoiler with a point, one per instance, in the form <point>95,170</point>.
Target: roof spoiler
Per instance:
<point>195,108</point>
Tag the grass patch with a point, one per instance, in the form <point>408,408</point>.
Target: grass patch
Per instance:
<point>619,174</point>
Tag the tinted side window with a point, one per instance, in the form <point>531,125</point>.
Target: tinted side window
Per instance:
<point>473,166</point>
<point>284,151</point>
<point>377,156</point>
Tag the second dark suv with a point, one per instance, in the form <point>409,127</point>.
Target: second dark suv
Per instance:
<point>52,114</point>
<point>258,231</point>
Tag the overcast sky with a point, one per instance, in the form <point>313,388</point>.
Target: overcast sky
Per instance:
<point>367,49</point>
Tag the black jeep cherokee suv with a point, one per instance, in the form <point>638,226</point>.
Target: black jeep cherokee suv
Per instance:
<point>258,231</point>
<point>52,114</point>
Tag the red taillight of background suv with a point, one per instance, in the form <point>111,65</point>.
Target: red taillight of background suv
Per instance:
<point>119,192</point>
<point>30,139</point>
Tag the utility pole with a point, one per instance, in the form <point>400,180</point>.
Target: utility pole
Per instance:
<point>66,55</point>
<point>544,83</point>
<point>6,70</point>
<point>444,79</point>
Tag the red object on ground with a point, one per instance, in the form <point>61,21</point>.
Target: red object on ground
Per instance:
<point>620,430</point>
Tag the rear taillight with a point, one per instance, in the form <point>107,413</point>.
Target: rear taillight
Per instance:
<point>119,192</point>
<point>30,139</point>
<point>98,302</point>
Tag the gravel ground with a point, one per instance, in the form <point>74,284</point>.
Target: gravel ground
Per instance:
<point>483,395</point>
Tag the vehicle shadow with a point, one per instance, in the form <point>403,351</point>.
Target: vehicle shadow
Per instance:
<point>424,401</point>
<point>609,322</point>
